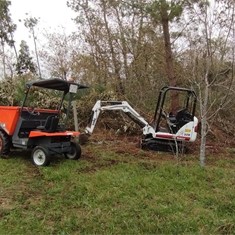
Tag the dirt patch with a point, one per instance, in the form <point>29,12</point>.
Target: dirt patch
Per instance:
<point>6,203</point>
<point>130,145</point>
<point>98,165</point>
<point>123,146</point>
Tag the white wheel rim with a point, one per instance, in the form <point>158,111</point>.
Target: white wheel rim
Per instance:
<point>39,157</point>
<point>73,154</point>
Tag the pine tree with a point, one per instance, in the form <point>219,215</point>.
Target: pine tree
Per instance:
<point>163,12</point>
<point>25,63</point>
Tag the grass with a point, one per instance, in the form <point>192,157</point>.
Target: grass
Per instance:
<point>113,190</point>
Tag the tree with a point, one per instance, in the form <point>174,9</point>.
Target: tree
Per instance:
<point>30,23</point>
<point>58,53</point>
<point>10,62</point>
<point>210,62</point>
<point>122,46</point>
<point>7,29</point>
<point>25,63</point>
<point>100,36</point>
<point>164,12</point>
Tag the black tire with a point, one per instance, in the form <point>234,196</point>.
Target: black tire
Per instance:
<point>5,143</point>
<point>75,152</point>
<point>40,156</point>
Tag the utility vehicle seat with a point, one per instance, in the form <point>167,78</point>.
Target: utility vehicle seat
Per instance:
<point>50,124</point>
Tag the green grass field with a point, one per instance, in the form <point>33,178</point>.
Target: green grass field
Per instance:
<point>111,190</point>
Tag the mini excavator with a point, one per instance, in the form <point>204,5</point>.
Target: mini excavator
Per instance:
<point>169,131</point>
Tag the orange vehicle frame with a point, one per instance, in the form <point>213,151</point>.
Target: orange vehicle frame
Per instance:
<point>9,116</point>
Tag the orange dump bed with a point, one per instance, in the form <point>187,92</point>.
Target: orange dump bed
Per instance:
<point>9,117</point>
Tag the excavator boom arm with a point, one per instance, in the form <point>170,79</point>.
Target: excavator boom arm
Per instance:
<point>186,132</point>
<point>115,105</point>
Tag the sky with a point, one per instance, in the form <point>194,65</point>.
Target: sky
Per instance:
<point>53,14</point>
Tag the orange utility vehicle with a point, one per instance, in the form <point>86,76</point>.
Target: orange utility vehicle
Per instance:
<point>39,129</point>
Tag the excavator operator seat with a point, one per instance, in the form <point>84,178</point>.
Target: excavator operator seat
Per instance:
<point>182,117</point>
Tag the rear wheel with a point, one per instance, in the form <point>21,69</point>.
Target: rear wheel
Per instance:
<point>75,152</point>
<point>40,156</point>
<point>4,143</point>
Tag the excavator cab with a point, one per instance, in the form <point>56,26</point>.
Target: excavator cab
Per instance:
<point>180,115</point>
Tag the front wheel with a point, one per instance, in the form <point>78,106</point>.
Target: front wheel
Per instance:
<point>4,143</point>
<point>75,152</point>
<point>40,156</point>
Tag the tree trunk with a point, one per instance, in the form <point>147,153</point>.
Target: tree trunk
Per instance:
<point>203,143</point>
<point>204,108</point>
<point>204,126</point>
<point>14,47</point>
<point>169,56</point>
<point>36,53</point>
<point>124,47</point>
<point>119,85</point>
<point>3,59</point>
